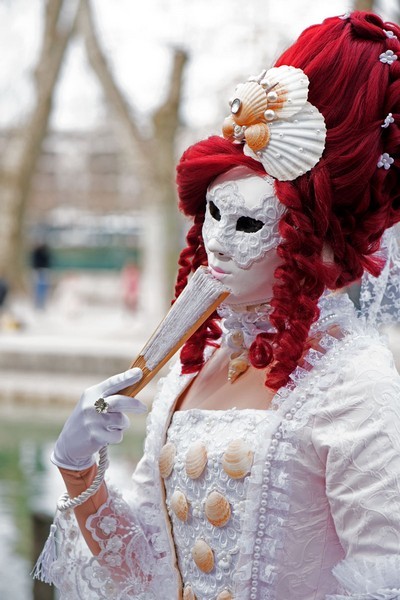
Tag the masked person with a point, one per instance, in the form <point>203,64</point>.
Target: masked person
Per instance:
<point>272,461</point>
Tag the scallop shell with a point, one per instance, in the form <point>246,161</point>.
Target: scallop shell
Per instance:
<point>253,103</point>
<point>196,460</point>
<point>288,90</point>
<point>237,459</point>
<point>166,459</point>
<point>188,593</point>
<point>228,128</point>
<point>225,595</point>
<point>295,146</point>
<point>180,505</point>
<point>203,556</point>
<point>217,509</point>
<point>257,136</point>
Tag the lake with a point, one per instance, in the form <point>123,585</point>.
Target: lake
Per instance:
<point>29,482</point>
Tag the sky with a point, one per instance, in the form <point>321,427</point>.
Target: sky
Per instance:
<point>227,41</point>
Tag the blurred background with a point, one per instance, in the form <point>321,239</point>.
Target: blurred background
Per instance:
<point>97,101</point>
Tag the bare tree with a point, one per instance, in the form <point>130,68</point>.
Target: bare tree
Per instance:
<point>23,149</point>
<point>156,154</point>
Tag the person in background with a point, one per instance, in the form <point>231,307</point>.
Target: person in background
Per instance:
<point>3,292</point>
<point>130,279</point>
<point>41,264</point>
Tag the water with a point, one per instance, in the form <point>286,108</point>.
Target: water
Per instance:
<point>14,568</point>
<point>29,482</point>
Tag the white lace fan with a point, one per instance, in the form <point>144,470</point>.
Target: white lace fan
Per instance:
<point>197,302</point>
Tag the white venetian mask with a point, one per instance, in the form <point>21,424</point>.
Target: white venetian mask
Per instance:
<point>243,214</point>
<point>241,234</point>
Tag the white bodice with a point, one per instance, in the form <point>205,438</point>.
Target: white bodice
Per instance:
<point>215,431</point>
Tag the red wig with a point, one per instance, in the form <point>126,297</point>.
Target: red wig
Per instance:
<point>344,203</point>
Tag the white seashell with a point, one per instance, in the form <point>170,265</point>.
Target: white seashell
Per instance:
<point>180,505</point>
<point>217,509</point>
<point>188,593</point>
<point>237,459</point>
<point>225,595</point>
<point>196,460</point>
<point>166,459</point>
<point>203,556</point>
<point>289,87</point>
<point>249,104</point>
<point>295,146</point>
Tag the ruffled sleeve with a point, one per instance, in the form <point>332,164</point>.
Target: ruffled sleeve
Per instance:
<point>137,557</point>
<point>356,434</point>
<point>125,566</point>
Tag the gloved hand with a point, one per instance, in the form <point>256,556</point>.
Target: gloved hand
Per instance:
<point>87,430</point>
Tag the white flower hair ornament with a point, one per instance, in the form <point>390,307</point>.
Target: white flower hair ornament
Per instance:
<point>279,128</point>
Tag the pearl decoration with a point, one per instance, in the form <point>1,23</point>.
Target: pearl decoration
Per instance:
<point>290,414</point>
<point>269,114</point>
<point>272,96</point>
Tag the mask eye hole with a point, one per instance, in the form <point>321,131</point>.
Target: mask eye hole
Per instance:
<point>248,225</point>
<point>214,211</point>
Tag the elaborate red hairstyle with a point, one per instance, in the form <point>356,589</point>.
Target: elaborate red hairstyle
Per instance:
<point>343,204</point>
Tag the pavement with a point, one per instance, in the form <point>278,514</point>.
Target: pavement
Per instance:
<point>48,357</point>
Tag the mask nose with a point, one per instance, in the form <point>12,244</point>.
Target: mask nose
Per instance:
<point>214,246</point>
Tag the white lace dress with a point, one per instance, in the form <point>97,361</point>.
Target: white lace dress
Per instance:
<point>316,515</point>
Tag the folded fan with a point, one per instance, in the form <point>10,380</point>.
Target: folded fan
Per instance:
<point>202,295</point>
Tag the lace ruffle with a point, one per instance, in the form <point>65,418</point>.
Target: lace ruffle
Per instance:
<point>125,566</point>
<point>363,579</point>
<point>380,296</point>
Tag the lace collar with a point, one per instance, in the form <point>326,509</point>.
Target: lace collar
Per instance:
<point>241,325</point>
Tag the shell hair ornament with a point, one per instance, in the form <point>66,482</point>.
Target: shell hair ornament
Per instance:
<point>279,128</point>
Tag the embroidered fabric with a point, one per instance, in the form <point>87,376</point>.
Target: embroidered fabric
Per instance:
<point>243,247</point>
<point>215,429</point>
<point>323,489</point>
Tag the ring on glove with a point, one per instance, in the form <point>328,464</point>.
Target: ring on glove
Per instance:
<point>101,406</point>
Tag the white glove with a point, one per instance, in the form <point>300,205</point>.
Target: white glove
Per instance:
<point>86,430</point>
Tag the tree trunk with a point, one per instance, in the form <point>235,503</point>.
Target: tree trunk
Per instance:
<point>166,124</point>
<point>24,147</point>
<point>156,157</point>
